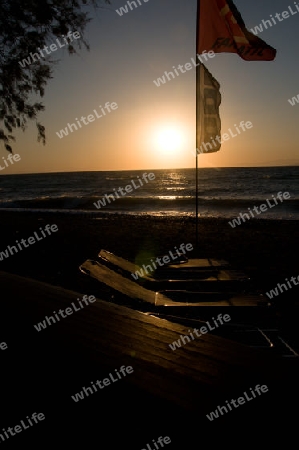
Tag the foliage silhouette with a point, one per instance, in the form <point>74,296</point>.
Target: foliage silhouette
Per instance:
<point>27,26</point>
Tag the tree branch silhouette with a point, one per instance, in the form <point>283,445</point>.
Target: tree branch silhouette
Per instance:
<point>26,26</point>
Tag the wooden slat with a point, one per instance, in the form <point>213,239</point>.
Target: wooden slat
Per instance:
<point>192,264</point>
<point>117,281</point>
<point>134,339</point>
<point>119,262</point>
<point>41,370</point>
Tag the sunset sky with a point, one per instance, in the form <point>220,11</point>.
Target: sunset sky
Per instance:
<point>154,127</point>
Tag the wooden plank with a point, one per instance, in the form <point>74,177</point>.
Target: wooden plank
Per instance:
<point>210,299</point>
<point>168,393</point>
<point>191,265</point>
<point>134,338</point>
<point>122,263</point>
<point>117,281</point>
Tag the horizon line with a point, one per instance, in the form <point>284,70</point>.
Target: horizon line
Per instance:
<point>148,170</point>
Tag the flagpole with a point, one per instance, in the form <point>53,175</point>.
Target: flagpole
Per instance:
<point>196,126</point>
<point>196,196</point>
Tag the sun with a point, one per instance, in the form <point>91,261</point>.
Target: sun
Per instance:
<point>168,140</point>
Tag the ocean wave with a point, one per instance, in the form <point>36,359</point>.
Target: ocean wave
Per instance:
<point>226,192</point>
<point>175,205</point>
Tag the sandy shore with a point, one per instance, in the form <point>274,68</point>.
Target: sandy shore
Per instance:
<point>264,249</point>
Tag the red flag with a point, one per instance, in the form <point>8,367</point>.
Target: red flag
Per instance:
<point>222,29</point>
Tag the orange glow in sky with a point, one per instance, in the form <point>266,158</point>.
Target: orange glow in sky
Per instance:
<point>154,127</point>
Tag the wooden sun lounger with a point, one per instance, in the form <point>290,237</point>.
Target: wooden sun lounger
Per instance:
<point>163,298</point>
<point>191,265</point>
<point>202,274</point>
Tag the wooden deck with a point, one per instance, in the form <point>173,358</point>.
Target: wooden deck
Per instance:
<point>168,391</point>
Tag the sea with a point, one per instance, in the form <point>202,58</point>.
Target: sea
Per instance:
<point>222,192</point>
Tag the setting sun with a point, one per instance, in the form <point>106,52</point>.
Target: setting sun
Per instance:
<point>168,140</point>
<point>166,143</point>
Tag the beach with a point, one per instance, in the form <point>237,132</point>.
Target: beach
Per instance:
<point>264,249</point>
<point>71,354</point>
